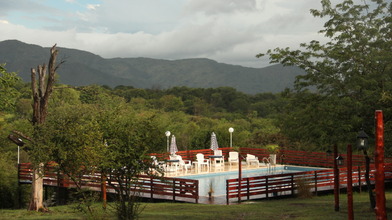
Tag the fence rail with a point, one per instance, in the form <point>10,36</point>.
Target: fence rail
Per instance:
<point>184,189</point>
<point>175,189</point>
<point>303,158</point>
<point>288,184</point>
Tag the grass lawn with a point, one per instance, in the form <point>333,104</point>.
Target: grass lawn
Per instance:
<point>317,207</point>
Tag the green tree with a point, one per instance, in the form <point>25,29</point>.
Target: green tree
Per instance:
<point>351,73</point>
<point>8,90</point>
<point>8,186</point>
<point>129,137</point>
<point>72,138</point>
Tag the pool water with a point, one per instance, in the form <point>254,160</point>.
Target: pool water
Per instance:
<point>217,181</point>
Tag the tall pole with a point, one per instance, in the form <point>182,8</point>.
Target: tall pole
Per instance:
<point>167,144</point>
<point>231,130</point>
<point>379,163</point>
<point>103,190</point>
<point>336,177</point>
<point>239,175</point>
<point>167,133</point>
<point>18,154</point>
<point>350,183</point>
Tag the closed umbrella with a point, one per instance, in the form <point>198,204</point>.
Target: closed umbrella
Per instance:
<point>214,142</point>
<point>173,145</point>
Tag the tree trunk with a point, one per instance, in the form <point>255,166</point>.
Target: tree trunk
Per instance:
<point>41,94</point>
<point>36,200</point>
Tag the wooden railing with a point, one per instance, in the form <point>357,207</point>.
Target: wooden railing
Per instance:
<point>178,189</point>
<point>175,189</point>
<point>283,184</point>
<point>303,158</point>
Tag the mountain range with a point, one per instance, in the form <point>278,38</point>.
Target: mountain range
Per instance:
<point>85,68</point>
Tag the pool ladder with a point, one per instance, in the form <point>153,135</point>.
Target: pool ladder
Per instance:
<point>270,167</point>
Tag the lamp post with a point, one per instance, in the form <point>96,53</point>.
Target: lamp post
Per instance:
<point>362,144</point>
<point>167,133</point>
<point>362,140</point>
<point>340,160</point>
<point>19,142</point>
<point>231,130</point>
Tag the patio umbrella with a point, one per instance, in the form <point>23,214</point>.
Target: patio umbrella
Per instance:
<point>173,145</point>
<point>214,142</point>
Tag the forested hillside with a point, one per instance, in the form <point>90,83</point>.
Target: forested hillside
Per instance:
<point>84,68</point>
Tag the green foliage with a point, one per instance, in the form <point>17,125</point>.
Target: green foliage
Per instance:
<point>350,74</point>
<point>72,137</point>
<point>8,90</point>
<point>84,200</point>
<point>8,186</point>
<point>128,137</point>
<point>64,96</point>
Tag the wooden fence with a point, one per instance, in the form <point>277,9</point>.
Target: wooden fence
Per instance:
<point>287,184</point>
<point>292,157</point>
<point>262,186</point>
<point>176,189</point>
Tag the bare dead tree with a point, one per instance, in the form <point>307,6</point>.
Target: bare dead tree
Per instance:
<point>42,90</point>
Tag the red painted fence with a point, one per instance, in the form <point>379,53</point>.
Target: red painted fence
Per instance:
<point>262,186</point>
<point>175,189</point>
<point>287,184</point>
<point>303,158</point>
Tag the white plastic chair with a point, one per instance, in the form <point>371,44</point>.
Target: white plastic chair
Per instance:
<point>156,163</point>
<point>174,166</point>
<point>200,161</point>
<point>184,163</point>
<point>252,159</point>
<point>221,160</point>
<point>233,157</point>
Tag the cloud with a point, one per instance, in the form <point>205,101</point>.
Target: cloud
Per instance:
<point>229,31</point>
<point>209,7</point>
<point>93,6</point>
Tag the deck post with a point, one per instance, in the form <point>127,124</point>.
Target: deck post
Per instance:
<point>336,178</point>
<point>239,175</point>
<point>359,179</point>
<point>197,192</point>
<point>315,182</point>
<point>380,170</point>
<point>247,188</point>
<point>174,190</point>
<point>151,188</point>
<point>350,210</point>
<point>266,187</point>
<point>103,189</point>
<point>292,184</point>
<point>227,192</point>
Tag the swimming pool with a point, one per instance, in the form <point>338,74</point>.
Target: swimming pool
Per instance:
<point>218,180</point>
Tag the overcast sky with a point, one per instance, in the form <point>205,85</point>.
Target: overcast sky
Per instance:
<point>228,31</point>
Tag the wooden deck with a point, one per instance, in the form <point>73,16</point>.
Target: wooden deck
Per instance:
<point>171,187</point>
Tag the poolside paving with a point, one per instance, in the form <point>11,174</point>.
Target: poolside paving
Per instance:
<point>216,169</point>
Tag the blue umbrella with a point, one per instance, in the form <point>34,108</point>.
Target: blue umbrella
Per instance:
<point>214,142</point>
<point>173,145</point>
